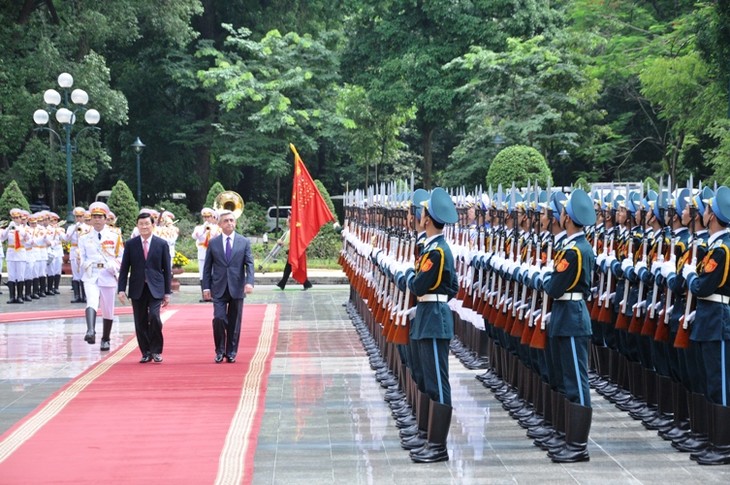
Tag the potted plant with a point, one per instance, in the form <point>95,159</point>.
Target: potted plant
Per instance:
<point>178,262</point>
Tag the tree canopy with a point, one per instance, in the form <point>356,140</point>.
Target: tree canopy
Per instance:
<point>370,91</point>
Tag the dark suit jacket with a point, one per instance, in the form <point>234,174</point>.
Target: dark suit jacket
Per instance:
<point>219,274</point>
<point>156,268</point>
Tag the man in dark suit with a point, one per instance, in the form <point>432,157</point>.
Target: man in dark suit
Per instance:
<point>227,279</point>
<point>148,257</point>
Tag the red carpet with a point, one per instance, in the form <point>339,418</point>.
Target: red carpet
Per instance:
<point>186,420</point>
<point>79,312</point>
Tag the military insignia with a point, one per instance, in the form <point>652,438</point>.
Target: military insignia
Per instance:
<point>562,265</point>
<point>710,266</point>
<point>426,265</point>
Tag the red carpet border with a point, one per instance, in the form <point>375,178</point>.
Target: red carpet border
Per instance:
<point>187,420</point>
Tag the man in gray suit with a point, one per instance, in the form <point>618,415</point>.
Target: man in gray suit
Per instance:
<point>227,279</point>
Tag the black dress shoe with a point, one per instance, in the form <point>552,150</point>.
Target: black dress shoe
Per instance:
<point>231,358</point>
<point>157,358</point>
<point>145,359</point>
<point>218,358</point>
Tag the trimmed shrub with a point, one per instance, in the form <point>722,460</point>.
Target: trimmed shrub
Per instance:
<point>519,164</point>
<point>12,198</point>
<point>123,204</point>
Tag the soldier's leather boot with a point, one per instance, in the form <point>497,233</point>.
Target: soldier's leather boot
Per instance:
<point>76,286</point>
<point>13,295</point>
<point>578,425</point>
<point>82,292</point>
<point>90,336</point>
<point>19,285</point>
<point>719,451</point>
<point>106,334</point>
<point>419,440</point>
<point>439,421</point>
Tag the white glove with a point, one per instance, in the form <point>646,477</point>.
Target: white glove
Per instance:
<point>544,271</point>
<point>626,264</point>
<point>668,268</point>
<point>639,265</point>
<point>688,269</point>
<point>610,258</point>
<point>600,259</point>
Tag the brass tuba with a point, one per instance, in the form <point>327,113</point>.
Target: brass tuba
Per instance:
<point>229,200</point>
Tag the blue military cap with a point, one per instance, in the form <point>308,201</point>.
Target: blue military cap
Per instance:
<point>662,202</point>
<point>721,204</point>
<point>634,202</point>
<point>680,201</point>
<point>557,202</point>
<point>419,195</point>
<point>619,201</point>
<point>441,207</point>
<point>700,200</point>
<point>580,208</point>
<point>649,200</point>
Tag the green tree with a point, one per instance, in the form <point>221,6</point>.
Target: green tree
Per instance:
<point>582,183</point>
<point>651,184</point>
<point>397,51</point>
<point>215,190</point>
<point>124,206</point>
<point>327,242</point>
<point>12,198</point>
<point>519,164</point>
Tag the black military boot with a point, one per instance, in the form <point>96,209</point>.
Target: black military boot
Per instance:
<point>76,287</point>
<point>56,284</point>
<point>42,287</point>
<point>418,440</point>
<point>13,298</point>
<point>578,425</point>
<point>19,285</point>
<point>106,334</point>
<point>82,292</point>
<point>719,451</point>
<point>35,289</point>
<point>90,336</point>
<point>28,290</point>
<point>202,300</point>
<point>439,422</point>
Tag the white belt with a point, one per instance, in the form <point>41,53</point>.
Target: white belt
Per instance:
<point>434,298</point>
<point>717,298</point>
<point>571,297</point>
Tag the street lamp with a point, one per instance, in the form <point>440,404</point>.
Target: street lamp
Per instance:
<point>65,110</point>
<point>138,146</point>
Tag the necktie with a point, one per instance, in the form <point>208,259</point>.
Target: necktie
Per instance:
<point>99,234</point>
<point>145,248</point>
<point>228,249</point>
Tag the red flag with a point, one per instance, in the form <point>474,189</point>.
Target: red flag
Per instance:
<point>309,212</point>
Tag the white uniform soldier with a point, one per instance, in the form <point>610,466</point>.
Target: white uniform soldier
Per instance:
<point>202,234</point>
<point>15,234</point>
<point>100,252</point>
<point>30,225</point>
<point>55,251</point>
<point>40,254</point>
<point>72,238</point>
<point>169,231</point>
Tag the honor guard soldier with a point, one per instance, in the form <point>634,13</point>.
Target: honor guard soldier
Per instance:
<point>168,231</point>
<point>202,234</point>
<point>568,282</point>
<point>55,251</point>
<point>16,234</point>
<point>434,282</point>
<point>72,238</point>
<point>709,282</point>
<point>100,254</point>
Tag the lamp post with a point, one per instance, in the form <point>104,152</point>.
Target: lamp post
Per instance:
<point>65,110</point>
<point>138,146</point>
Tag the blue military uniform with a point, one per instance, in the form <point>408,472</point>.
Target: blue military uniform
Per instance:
<point>434,282</point>
<point>710,283</point>
<point>569,329</point>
